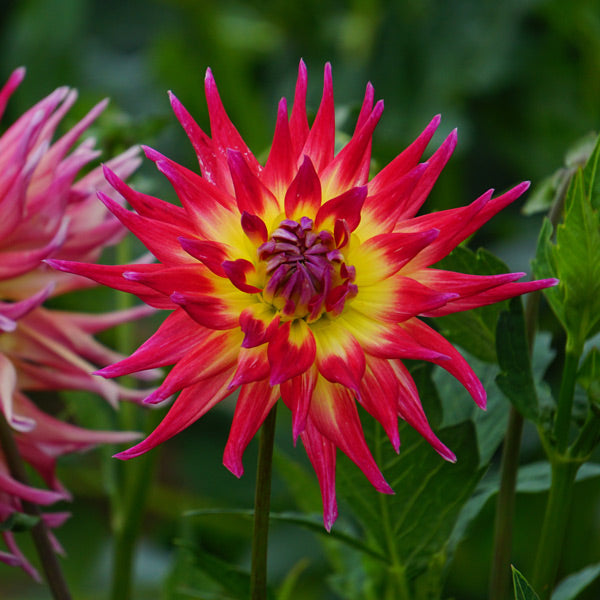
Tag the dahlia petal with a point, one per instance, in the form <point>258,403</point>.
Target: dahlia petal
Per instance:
<point>187,278</point>
<point>254,228</point>
<point>303,197</point>
<point>251,194</point>
<point>214,355</point>
<point>405,161</point>
<point>211,254</point>
<point>291,350</point>
<point>334,413</point>
<point>321,138</point>
<point>147,206</point>
<point>386,340</point>
<point>456,365</point>
<point>11,486</point>
<point>191,404</point>
<point>238,272</point>
<point>259,322</point>
<point>252,365</point>
<point>321,453</point>
<point>410,409</point>
<point>16,310</point>
<point>252,407</point>
<point>399,298</point>
<point>298,121</point>
<point>225,135</point>
<point>346,206</point>
<point>457,224</point>
<point>296,393</point>
<point>209,311</point>
<point>279,170</point>
<point>384,255</point>
<point>491,296</point>
<point>340,358</point>
<point>8,386</point>
<point>434,167</point>
<point>112,276</point>
<point>378,394</point>
<point>22,562</point>
<point>159,237</point>
<point>212,169</point>
<point>347,170</point>
<point>382,209</point>
<point>176,336</point>
<point>13,82</point>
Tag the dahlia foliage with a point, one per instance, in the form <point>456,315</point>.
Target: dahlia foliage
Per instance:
<point>44,212</point>
<point>300,279</point>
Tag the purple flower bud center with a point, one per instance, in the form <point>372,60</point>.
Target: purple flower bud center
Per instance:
<point>306,272</point>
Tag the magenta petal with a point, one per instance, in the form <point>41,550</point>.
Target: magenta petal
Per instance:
<point>347,206</point>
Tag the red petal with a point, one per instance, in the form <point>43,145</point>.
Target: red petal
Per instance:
<point>212,355</point>
<point>175,337</point>
<point>378,395</point>
<point>187,278</point>
<point>296,393</point>
<point>112,276</point>
<point>251,194</point>
<point>254,228</point>
<point>252,407</point>
<point>303,197</point>
<point>191,404</point>
<point>405,161</point>
<point>347,206</point>
<point>456,365</point>
<point>298,120</point>
<point>211,254</point>
<point>291,351</point>
<point>321,138</point>
<point>334,413</point>
<point>321,453</point>
<point>253,365</point>
<point>279,170</point>
<point>210,311</point>
<point>410,409</point>
<point>238,272</point>
<point>259,323</point>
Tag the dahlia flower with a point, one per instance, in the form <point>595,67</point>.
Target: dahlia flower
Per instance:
<point>45,212</point>
<point>300,279</point>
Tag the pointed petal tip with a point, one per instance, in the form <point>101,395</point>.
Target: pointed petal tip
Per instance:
<point>234,466</point>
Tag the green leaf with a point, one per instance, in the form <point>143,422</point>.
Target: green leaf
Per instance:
<point>591,176</point>
<point>515,379</point>
<point>412,526</point>
<point>589,375</point>
<point>473,330</point>
<point>286,589</point>
<point>570,587</point>
<point>18,522</point>
<point>523,591</point>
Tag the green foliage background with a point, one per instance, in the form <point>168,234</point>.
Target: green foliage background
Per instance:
<point>518,78</point>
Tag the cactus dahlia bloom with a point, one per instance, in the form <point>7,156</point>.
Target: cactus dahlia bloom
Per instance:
<point>300,279</point>
<point>44,212</point>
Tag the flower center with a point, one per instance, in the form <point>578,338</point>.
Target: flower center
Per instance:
<point>306,272</point>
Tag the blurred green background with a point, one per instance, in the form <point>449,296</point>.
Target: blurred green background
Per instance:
<point>520,79</point>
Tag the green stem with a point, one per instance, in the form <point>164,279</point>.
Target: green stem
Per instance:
<point>262,505</point>
<point>554,527</point>
<point>565,399</point>
<point>500,576</point>
<point>39,532</point>
<point>127,522</point>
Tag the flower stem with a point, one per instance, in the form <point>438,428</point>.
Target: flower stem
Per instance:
<point>39,532</point>
<point>262,504</point>
<point>553,530</point>
<point>500,578</point>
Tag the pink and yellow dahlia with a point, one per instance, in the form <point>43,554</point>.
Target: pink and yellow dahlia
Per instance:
<point>45,212</point>
<point>300,279</point>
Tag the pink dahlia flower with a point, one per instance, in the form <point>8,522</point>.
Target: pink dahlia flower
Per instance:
<point>300,279</point>
<point>45,212</point>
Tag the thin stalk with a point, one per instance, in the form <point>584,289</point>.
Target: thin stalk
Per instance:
<point>39,532</point>
<point>553,530</point>
<point>262,506</point>
<point>500,577</point>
